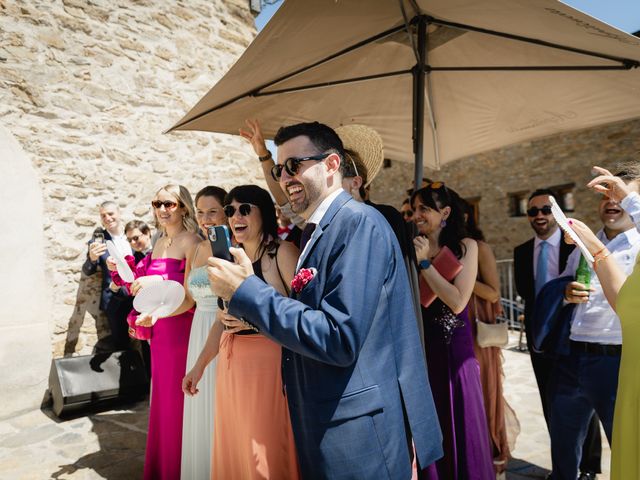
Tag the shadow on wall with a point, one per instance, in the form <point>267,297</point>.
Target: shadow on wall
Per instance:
<point>87,301</point>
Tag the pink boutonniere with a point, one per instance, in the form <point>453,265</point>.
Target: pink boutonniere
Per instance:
<point>304,276</point>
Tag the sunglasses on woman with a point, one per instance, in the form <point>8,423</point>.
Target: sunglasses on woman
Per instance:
<point>244,209</point>
<point>292,164</point>
<point>168,204</point>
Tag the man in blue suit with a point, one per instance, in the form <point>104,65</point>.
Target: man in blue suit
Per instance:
<point>352,362</point>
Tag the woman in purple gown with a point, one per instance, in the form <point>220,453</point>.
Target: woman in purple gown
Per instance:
<point>168,337</point>
<point>454,373</point>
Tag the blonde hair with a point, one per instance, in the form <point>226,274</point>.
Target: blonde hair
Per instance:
<point>183,197</point>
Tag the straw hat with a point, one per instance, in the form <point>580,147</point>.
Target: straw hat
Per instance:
<point>367,143</point>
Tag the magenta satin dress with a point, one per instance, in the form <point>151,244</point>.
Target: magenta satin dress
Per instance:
<point>169,343</point>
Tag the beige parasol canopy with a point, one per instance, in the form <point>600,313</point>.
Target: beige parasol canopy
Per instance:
<point>448,77</point>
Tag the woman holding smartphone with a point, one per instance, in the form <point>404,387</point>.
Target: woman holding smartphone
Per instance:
<point>454,373</point>
<point>253,435</point>
<point>169,336</point>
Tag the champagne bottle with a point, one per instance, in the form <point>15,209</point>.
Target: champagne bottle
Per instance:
<point>583,274</point>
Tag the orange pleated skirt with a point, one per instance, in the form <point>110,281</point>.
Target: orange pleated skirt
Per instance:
<point>253,437</point>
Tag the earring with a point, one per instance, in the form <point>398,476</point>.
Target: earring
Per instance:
<point>443,223</point>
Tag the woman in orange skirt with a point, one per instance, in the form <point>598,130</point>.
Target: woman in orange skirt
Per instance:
<point>253,435</point>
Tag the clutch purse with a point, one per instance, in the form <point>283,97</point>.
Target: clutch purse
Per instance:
<point>448,266</point>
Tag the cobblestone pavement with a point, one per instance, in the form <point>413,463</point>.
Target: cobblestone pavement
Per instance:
<point>110,445</point>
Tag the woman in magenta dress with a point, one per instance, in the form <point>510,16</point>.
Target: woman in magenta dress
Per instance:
<point>454,373</point>
<point>168,337</point>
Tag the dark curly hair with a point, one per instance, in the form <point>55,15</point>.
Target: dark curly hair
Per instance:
<point>455,230</point>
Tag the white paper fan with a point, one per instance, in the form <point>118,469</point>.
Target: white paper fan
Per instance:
<point>561,218</point>
<point>159,299</point>
<point>121,264</point>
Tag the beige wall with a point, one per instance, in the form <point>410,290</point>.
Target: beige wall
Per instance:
<point>25,296</point>
<point>551,161</point>
<point>86,89</point>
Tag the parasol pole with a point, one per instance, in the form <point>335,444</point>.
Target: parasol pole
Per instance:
<point>418,73</point>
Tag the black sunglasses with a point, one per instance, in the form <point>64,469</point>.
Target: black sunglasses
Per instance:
<point>133,239</point>
<point>292,164</point>
<point>533,211</point>
<point>244,209</point>
<point>407,213</point>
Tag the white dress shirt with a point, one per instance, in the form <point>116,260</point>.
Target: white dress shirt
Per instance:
<point>553,255</point>
<point>316,217</point>
<point>121,242</point>
<point>631,205</point>
<point>595,321</point>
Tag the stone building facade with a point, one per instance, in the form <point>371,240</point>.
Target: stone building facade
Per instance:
<point>87,89</point>
<point>495,180</point>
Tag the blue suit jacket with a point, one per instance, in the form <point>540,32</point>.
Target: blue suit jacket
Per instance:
<point>352,363</point>
<point>89,268</point>
<point>551,319</point>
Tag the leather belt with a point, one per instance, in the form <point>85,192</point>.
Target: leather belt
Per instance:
<point>596,348</point>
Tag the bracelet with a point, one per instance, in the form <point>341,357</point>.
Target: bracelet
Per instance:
<point>266,157</point>
<point>599,252</point>
<point>600,256</point>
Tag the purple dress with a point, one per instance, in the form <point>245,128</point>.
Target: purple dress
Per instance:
<point>454,375</point>
<point>169,343</point>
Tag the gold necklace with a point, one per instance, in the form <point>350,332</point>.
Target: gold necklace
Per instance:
<point>170,239</point>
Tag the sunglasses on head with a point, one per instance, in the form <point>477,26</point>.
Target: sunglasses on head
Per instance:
<point>244,209</point>
<point>533,211</point>
<point>168,204</point>
<point>292,164</point>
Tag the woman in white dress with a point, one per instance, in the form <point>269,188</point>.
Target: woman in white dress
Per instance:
<point>197,427</point>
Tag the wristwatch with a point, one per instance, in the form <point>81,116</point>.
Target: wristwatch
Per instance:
<point>424,264</point>
<point>266,157</point>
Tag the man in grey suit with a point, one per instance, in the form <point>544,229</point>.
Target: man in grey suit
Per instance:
<point>352,362</point>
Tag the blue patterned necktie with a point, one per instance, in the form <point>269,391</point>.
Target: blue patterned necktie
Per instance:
<point>541,270</point>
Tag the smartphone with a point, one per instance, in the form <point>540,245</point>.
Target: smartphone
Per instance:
<point>98,237</point>
<point>220,240</point>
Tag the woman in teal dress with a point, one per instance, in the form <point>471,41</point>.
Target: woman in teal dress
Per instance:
<point>623,293</point>
<point>198,420</point>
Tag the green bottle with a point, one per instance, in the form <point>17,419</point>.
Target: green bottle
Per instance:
<point>583,274</point>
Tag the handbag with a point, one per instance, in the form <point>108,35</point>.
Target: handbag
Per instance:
<point>448,266</point>
<point>490,334</point>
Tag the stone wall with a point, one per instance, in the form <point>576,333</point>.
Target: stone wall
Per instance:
<point>87,87</point>
<point>492,176</point>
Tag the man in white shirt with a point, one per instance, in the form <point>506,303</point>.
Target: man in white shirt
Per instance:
<point>586,380</point>
<point>536,262</point>
<point>112,229</point>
